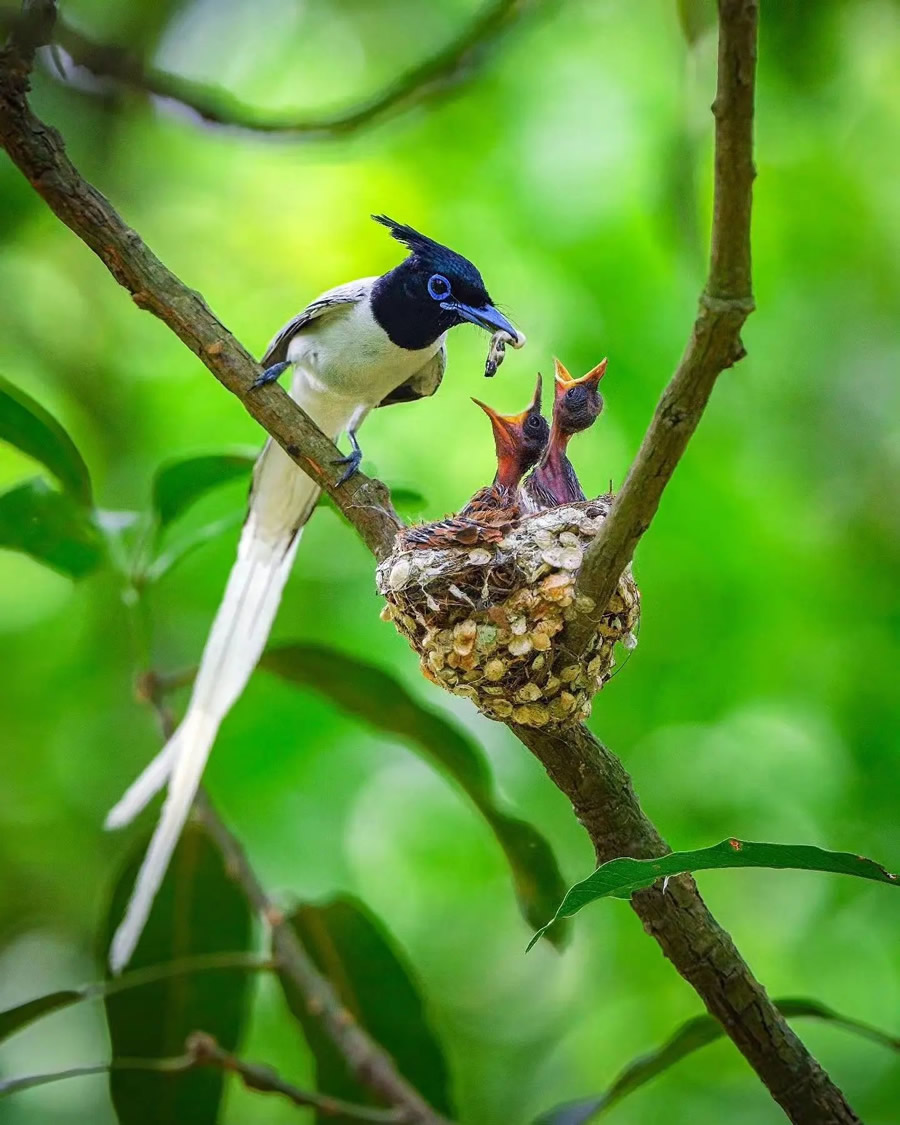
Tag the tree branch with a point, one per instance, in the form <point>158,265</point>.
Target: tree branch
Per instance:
<point>39,152</point>
<point>590,776</point>
<point>203,1050</point>
<point>715,342</point>
<point>430,79</point>
<point>604,801</point>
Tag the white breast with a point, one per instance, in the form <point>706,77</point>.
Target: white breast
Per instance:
<point>349,355</point>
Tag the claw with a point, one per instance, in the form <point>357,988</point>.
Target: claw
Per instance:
<point>352,461</point>
<point>269,375</point>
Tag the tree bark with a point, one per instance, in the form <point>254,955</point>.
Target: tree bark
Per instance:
<point>602,796</point>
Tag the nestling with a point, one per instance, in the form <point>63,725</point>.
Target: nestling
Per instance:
<point>577,404</point>
<point>519,440</point>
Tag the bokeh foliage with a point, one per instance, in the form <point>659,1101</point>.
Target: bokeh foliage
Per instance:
<point>761,701</point>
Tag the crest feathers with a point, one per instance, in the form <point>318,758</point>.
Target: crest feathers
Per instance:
<point>411,238</point>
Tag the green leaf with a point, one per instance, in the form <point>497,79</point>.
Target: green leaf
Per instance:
<point>380,700</point>
<point>198,911</point>
<point>792,1007</point>
<point>50,527</point>
<point>357,954</point>
<point>690,1037</point>
<point>14,1019</point>
<point>179,484</point>
<point>622,877</point>
<point>25,424</point>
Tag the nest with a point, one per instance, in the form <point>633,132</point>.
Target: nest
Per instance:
<point>486,621</point>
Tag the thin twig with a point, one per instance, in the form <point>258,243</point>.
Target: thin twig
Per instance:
<point>370,1064</point>
<point>202,1050</point>
<point>430,79</point>
<point>184,966</point>
<point>31,1010</point>
<point>715,342</point>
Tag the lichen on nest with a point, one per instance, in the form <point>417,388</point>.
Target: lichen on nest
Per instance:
<point>486,621</point>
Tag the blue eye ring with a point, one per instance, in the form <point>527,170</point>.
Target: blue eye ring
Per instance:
<point>438,287</point>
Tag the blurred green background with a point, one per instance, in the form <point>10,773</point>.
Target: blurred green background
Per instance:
<point>762,700</point>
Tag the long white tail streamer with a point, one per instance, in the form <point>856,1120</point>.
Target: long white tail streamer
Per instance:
<point>281,502</point>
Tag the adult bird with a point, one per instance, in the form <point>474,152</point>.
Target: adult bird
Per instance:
<point>519,441</point>
<point>576,405</point>
<point>370,343</point>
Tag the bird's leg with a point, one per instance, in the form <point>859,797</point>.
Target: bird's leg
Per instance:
<point>352,460</point>
<point>269,375</point>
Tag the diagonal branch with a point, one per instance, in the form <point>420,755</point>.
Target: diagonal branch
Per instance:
<point>590,776</point>
<point>367,1061</point>
<point>429,80</point>
<point>39,152</point>
<point>715,342</point>
<point>601,793</point>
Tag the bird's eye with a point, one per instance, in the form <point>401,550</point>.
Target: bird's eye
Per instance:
<point>439,287</point>
<point>533,423</point>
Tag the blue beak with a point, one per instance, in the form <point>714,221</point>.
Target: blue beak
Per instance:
<point>487,317</point>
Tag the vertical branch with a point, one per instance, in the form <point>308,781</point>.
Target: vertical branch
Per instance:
<point>715,342</point>
<point>729,259</point>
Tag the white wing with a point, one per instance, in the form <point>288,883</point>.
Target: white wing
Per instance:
<point>349,294</point>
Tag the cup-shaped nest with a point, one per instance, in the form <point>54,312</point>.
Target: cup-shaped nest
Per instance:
<point>486,621</point>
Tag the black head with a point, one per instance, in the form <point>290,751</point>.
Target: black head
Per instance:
<point>432,291</point>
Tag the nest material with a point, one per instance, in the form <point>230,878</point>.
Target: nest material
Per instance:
<point>485,621</point>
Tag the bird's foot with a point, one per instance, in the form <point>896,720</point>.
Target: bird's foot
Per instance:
<point>269,375</point>
<point>352,461</point>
